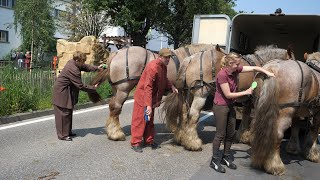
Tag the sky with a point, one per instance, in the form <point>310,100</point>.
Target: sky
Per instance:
<point>287,6</point>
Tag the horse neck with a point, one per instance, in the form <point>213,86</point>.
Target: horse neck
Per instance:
<point>266,56</point>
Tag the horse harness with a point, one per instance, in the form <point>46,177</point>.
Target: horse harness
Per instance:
<point>130,78</point>
<point>210,84</point>
<point>176,59</point>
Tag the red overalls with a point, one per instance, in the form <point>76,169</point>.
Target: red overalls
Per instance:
<point>149,92</point>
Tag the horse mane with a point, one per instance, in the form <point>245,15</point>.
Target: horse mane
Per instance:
<point>182,72</point>
<point>270,52</point>
<point>313,56</point>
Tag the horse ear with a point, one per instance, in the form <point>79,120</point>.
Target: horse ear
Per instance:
<point>305,56</point>
<point>218,48</point>
<point>290,50</point>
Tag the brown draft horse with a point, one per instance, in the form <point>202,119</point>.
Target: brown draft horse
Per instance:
<point>123,72</point>
<point>197,74</point>
<point>282,102</point>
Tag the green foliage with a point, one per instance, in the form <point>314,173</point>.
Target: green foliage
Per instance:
<point>82,19</point>
<point>34,21</point>
<point>172,17</point>
<point>135,16</point>
<point>180,13</point>
<point>27,91</point>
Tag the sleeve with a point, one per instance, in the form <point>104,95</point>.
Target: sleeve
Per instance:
<point>75,78</point>
<point>169,84</point>
<point>222,78</point>
<point>89,68</point>
<point>239,69</point>
<point>151,73</point>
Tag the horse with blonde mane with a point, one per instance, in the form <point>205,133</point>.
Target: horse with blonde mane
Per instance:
<point>123,73</point>
<point>282,102</point>
<point>196,82</point>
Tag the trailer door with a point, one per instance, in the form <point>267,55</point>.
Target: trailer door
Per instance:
<point>211,29</point>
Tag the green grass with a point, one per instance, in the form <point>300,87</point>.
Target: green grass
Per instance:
<point>27,91</point>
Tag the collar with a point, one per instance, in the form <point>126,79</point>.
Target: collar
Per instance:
<point>227,72</point>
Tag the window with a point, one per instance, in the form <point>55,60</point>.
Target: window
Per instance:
<point>4,36</point>
<point>7,3</point>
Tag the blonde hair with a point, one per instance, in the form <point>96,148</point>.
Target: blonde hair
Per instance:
<point>226,59</point>
<point>79,56</point>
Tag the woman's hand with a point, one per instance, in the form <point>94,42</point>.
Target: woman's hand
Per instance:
<point>270,74</point>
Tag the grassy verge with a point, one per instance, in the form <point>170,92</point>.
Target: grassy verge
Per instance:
<point>25,91</point>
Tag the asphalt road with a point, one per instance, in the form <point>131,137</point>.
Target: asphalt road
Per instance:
<point>31,150</point>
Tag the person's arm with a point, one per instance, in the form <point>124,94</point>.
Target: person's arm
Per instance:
<point>171,86</point>
<point>151,73</point>
<point>257,68</point>
<point>89,68</point>
<point>231,95</point>
<point>75,78</point>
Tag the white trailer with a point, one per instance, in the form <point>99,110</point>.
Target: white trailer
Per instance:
<point>246,31</point>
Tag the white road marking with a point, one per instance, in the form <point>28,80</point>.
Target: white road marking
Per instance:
<point>208,114</point>
<point>52,116</point>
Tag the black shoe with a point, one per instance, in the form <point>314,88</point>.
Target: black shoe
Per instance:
<point>72,134</point>
<point>215,164</point>
<point>67,138</point>
<point>137,149</point>
<point>227,160</point>
<point>153,146</point>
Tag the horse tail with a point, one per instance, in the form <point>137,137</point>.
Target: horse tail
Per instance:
<point>264,127</point>
<point>101,77</point>
<point>172,108</point>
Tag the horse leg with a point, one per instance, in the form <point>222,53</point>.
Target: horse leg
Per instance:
<point>273,163</point>
<point>310,148</point>
<point>113,127</point>
<point>189,135</point>
<point>293,146</point>
<point>243,133</point>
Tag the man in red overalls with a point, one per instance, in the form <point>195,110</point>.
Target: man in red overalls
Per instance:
<point>148,95</point>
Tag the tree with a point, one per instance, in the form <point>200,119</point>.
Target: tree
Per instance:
<point>36,25</point>
<point>135,16</point>
<point>180,13</point>
<point>82,18</point>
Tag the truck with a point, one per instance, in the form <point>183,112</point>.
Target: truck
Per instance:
<point>246,31</point>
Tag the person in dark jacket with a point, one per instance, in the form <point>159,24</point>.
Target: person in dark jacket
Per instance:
<point>66,92</point>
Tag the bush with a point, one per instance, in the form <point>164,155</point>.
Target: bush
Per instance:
<point>27,91</point>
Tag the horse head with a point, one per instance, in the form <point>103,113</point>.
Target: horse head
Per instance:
<point>312,56</point>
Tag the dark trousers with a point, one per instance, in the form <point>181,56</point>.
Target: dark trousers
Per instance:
<point>225,117</point>
<point>63,118</point>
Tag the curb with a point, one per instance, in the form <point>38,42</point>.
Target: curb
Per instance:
<point>40,113</point>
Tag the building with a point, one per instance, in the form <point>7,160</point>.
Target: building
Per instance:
<point>10,40</point>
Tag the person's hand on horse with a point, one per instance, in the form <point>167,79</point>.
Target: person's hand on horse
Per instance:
<point>270,74</point>
<point>149,110</point>
<point>174,89</point>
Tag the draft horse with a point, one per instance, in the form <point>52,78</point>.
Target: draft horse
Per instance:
<point>123,73</point>
<point>281,102</point>
<point>196,82</point>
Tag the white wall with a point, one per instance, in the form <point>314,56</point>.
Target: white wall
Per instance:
<point>6,24</point>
